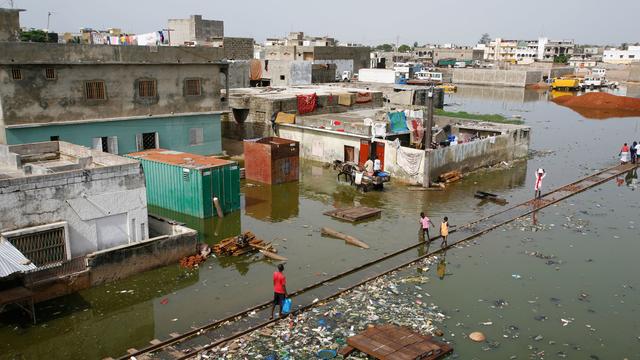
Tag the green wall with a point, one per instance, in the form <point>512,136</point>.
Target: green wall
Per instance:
<point>172,131</point>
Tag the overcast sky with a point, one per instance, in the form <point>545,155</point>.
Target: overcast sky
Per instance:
<point>369,22</point>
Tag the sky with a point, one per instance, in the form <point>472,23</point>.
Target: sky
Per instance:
<point>369,22</point>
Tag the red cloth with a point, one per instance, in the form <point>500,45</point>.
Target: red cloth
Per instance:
<point>279,282</point>
<point>625,148</point>
<point>307,103</point>
<point>364,97</point>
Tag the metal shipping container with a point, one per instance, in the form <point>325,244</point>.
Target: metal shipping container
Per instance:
<point>187,183</point>
<point>271,160</point>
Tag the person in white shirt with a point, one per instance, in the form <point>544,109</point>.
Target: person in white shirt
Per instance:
<point>540,174</point>
<point>377,166</point>
<point>368,167</point>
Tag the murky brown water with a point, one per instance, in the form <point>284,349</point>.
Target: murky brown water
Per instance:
<point>107,320</point>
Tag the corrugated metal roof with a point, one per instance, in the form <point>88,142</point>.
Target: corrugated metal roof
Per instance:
<point>187,160</point>
<point>12,260</point>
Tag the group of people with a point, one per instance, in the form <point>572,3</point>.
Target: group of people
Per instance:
<point>629,154</point>
<point>373,166</point>
<point>426,223</point>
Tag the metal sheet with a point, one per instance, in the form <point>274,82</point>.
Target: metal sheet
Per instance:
<point>12,260</point>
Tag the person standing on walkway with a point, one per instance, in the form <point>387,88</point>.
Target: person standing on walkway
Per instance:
<point>279,289</point>
<point>540,174</point>
<point>444,231</point>
<point>425,224</point>
<point>637,150</point>
<point>634,152</point>
<point>624,154</point>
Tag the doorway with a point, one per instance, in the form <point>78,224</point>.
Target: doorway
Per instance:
<point>349,154</point>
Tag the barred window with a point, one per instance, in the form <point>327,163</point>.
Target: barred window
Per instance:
<point>147,88</point>
<point>192,87</point>
<point>50,73</point>
<point>16,74</point>
<point>94,90</point>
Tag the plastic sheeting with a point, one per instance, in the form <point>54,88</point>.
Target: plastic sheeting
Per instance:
<point>398,121</point>
<point>409,162</point>
<point>307,103</point>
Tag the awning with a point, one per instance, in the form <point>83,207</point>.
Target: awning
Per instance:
<point>12,260</point>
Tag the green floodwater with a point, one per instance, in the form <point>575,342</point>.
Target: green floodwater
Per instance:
<point>107,320</point>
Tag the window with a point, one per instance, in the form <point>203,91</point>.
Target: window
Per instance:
<point>108,144</point>
<point>50,73</point>
<point>192,87</point>
<point>146,141</point>
<point>632,56</point>
<point>281,77</point>
<point>16,74</point>
<point>147,88</point>
<point>196,136</point>
<point>43,245</point>
<point>94,90</point>
<point>185,174</point>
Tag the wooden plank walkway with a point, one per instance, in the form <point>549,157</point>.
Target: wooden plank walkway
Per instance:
<point>354,214</point>
<point>391,342</point>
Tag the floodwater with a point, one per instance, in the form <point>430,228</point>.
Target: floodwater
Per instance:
<point>589,282</point>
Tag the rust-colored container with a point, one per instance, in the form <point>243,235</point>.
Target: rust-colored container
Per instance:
<point>272,160</point>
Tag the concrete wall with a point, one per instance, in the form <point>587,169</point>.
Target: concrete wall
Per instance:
<point>9,24</point>
<point>86,199</point>
<point>173,132</point>
<point>35,99</point>
<point>195,29</point>
<point>121,262</point>
<point>341,65</point>
<point>290,73</point>
<point>236,48</point>
<point>458,54</point>
<point>239,74</point>
<point>634,73</point>
<point>514,78</point>
<point>359,55</point>
<point>320,145</point>
<point>323,73</point>
<point>474,155</point>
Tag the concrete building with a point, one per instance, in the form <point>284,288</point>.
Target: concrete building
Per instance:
<point>79,199</point>
<point>617,56</point>
<point>118,99</point>
<point>344,57</point>
<point>196,31</point>
<point>515,78</point>
<point>542,49</point>
<point>434,54</point>
<point>9,24</point>
<point>298,38</point>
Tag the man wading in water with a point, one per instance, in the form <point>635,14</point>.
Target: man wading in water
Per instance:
<point>279,289</point>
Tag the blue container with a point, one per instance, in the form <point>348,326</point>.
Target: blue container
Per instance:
<point>286,306</point>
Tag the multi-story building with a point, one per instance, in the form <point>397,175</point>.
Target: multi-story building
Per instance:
<point>118,99</point>
<point>435,54</point>
<point>618,56</point>
<point>196,31</point>
<point>541,49</point>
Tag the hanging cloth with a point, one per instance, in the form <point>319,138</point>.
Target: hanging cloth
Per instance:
<point>364,97</point>
<point>256,70</point>
<point>398,121</point>
<point>307,103</point>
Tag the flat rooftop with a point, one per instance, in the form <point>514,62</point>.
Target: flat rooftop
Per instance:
<point>285,92</point>
<point>52,157</point>
<point>178,158</point>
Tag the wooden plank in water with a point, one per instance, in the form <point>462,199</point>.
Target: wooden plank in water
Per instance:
<point>354,214</point>
<point>390,342</point>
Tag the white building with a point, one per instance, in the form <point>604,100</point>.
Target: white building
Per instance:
<point>60,201</point>
<point>616,56</point>
<point>525,51</point>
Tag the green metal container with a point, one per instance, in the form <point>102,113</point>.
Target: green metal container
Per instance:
<point>187,183</point>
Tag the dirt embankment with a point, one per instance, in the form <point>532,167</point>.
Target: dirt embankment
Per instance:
<point>599,105</point>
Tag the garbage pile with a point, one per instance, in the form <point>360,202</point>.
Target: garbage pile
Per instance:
<point>392,299</point>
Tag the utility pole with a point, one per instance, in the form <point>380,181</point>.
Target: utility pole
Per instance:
<point>428,125</point>
<point>48,23</point>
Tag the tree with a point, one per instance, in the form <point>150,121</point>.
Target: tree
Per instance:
<point>404,48</point>
<point>485,39</point>
<point>385,47</point>
<point>624,46</point>
<point>415,44</point>
<point>561,59</point>
<point>35,35</point>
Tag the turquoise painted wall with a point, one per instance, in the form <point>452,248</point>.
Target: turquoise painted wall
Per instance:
<point>172,131</point>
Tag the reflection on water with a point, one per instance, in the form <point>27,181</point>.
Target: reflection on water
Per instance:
<point>273,203</point>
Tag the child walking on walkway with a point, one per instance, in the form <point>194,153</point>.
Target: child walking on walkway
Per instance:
<point>425,223</point>
<point>444,231</point>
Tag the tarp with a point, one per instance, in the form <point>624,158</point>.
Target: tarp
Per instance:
<point>256,70</point>
<point>364,97</point>
<point>12,260</point>
<point>307,103</point>
<point>398,121</point>
<point>284,118</point>
<point>345,99</point>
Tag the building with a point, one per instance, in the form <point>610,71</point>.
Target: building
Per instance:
<point>617,56</point>
<point>79,200</point>
<point>196,31</point>
<point>583,61</point>
<point>9,24</point>
<point>541,49</point>
<point>435,54</point>
<point>119,99</point>
<point>345,58</point>
<point>299,39</point>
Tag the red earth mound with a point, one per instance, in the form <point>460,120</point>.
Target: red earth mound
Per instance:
<point>599,105</point>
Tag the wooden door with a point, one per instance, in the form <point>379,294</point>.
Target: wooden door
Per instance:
<point>365,151</point>
<point>380,153</point>
<point>349,153</point>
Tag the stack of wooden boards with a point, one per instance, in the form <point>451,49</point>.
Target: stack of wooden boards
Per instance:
<point>245,243</point>
<point>450,177</point>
